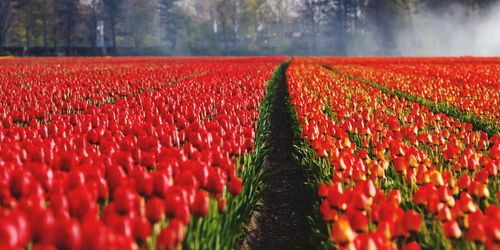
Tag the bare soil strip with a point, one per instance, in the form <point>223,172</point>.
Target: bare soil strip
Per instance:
<point>281,222</point>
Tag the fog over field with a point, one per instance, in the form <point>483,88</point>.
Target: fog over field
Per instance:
<point>250,27</point>
<point>451,33</point>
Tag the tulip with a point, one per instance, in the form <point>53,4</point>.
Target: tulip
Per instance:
<point>411,246</point>
<point>476,232</point>
<point>67,234</point>
<point>94,234</point>
<point>20,183</point>
<point>141,230</point>
<point>167,239</point>
<point>436,178</point>
<point>221,206</point>
<point>124,200</point>
<point>155,210</point>
<point>492,228</point>
<point>80,203</point>
<point>323,190</point>
<point>452,229</point>
<point>463,181</point>
<point>386,229</point>
<point>412,221</point>
<point>201,204</point>
<point>395,197</point>
<point>365,242</point>
<point>9,238</point>
<point>358,221</point>
<point>342,232</point>
<point>235,186</point>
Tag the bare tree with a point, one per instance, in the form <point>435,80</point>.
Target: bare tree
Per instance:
<point>170,19</point>
<point>5,18</point>
<point>225,10</point>
<point>313,13</point>
<point>113,10</point>
<point>281,13</point>
<point>27,14</point>
<point>93,11</point>
<point>140,17</point>
<point>68,17</point>
<point>45,13</point>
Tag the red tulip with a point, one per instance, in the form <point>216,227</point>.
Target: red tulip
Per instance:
<point>214,182</point>
<point>476,233</point>
<point>201,204</point>
<point>167,239</point>
<point>411,246</point>
<point>221,206</point>
<point>235,186</point>
<point>395,197</point>
<point>94,234</point>
<point>412,221</point>
<point>179,228</point>
<point>124,200</point>
<point>452,229</point>
<point>9,238</point>
<point>328,213</point>
<point>359,221</point>
<point>155,210</point>
<point>464,181</point>
<point>20,183</point>
<point>67,234</point>
<point>342,232</point>
<point>141,230</point>
<point>80,203</point>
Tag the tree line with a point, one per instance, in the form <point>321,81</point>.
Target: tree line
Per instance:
<point>213,27</point>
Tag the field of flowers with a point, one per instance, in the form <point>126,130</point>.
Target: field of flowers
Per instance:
<point>169,153</point>
<point>127,153</point>
<point>390,173</point>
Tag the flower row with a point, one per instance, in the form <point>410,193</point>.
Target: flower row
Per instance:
<point>468,85</point>
<point>128,173</point>
<point>400,174</point>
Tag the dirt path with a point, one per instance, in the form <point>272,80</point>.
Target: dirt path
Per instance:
<point>282,222</point>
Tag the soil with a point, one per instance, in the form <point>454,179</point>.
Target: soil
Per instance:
<point>281,222</point>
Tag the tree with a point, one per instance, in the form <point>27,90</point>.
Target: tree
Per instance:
<point>93,11</point>
<point>68,16</point>
<point>27,10</point>
<point>140,16</point>
<point>264,19</point>
<point>45,10</point>
<point>5,18</point>
<point>379,17</point>
<point>171,19</point>
<point>312,11</point>
<point>113,10</point>
<point>249,19</point>
<point>281,10</point>
<point>226,11</point>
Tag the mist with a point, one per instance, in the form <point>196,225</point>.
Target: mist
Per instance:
<point>450,32</point>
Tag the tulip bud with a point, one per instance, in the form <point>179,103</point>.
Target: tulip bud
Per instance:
<point>452,229</point>
<point>411,246</point>
<point>412,221</point>
<point>155,210</point>
<point>342,232</point>
<point>476,233</point>
<point>235,186</point>
<point>436,178</point>
<point>200,205</point>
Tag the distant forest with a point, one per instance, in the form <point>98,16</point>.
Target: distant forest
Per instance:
<point>246,27</point>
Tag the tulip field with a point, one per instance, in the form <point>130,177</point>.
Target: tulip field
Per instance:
<point>172,153</point>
